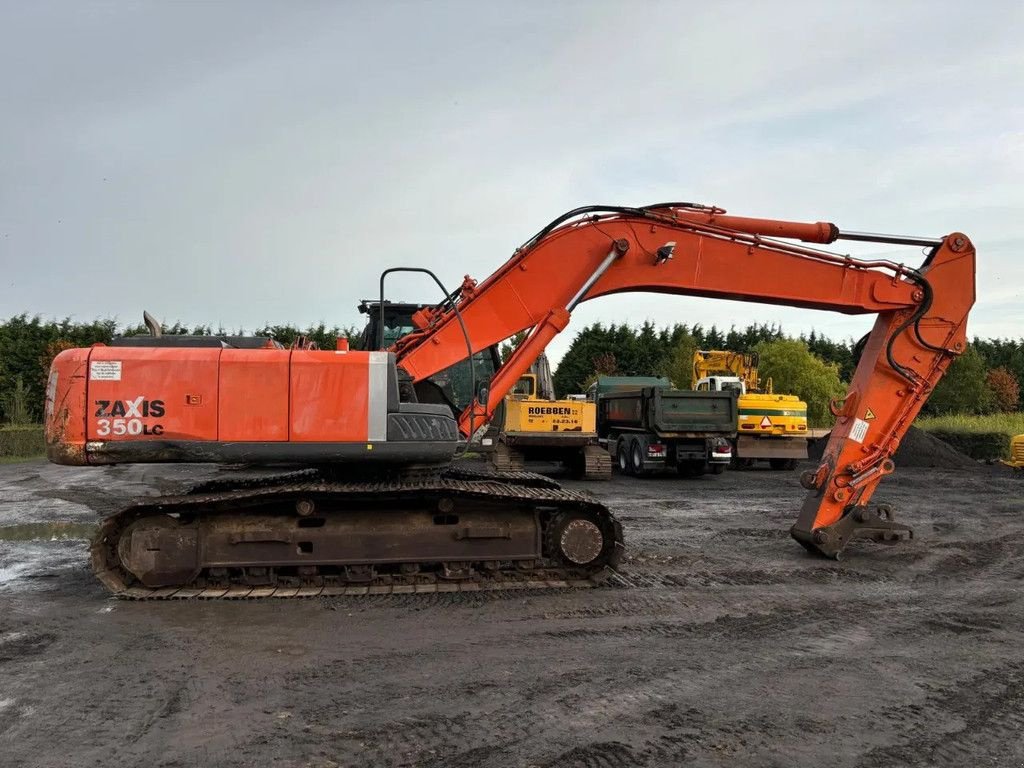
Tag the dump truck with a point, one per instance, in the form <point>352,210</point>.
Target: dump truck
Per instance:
<point>770,427</point>
<point>538,427</point>
<point>649,426</point>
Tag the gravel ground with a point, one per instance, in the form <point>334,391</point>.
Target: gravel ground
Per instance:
<point>721,644</point>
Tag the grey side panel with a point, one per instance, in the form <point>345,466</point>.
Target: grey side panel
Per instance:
<point>408,427</point>
<point>377,397</point>
<point>393,393</point>
<point>435,409</point>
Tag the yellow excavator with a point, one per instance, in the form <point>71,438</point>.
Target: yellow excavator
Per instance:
<point>770,427</point>
<point>537,427</point>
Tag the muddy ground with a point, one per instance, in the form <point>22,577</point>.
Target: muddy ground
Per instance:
<point>722,644</point>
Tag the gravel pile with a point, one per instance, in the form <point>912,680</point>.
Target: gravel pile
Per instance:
<point>918,449</point>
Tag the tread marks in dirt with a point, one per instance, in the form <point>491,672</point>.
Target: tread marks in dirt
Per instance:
<point>426,740</point>
<point>779,621</point>
<point>21,645</point>
<point>964,623</point>
<point>1002,556</point>
<point>958,724</point>
<point>635,574</point>
<point>599,754</point>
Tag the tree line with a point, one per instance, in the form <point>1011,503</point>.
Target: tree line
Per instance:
<point>985,379</point>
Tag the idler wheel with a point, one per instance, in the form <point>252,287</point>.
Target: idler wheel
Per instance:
<point>576,539</point>
<point>160,552</point>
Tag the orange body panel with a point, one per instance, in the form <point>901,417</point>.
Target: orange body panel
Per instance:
<point>329,396</point>
<point>254,395</point>
<point>152,394</point>
<point>64,419</point>
<point>110,395</point>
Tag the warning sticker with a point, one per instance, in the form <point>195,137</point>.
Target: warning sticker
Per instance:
<point>105,370</point>
<point>859,431</point>
<point>869,415</point>
<point>766,422</point>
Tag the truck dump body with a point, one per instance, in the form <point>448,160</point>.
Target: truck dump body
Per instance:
<point>667,412</point>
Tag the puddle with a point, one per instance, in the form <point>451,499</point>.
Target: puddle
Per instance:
<point>13,573</point>
<point>47,531</point>
<point>39,555</point>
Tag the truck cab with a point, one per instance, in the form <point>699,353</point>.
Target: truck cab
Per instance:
<point>721,384</point>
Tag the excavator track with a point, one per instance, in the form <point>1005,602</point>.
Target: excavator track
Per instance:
<point>597,463</point>
<point>507,459</point>
<point>304,534</point>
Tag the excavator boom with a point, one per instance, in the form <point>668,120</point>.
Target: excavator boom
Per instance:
<point>700,251</point>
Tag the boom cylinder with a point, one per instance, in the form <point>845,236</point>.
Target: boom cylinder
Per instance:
<point>816,232</point>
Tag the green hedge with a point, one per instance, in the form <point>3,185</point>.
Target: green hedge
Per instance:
<point>983,446</point>
<point>22,441</point>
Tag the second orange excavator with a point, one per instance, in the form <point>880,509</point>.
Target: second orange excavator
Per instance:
<point>377,503</point>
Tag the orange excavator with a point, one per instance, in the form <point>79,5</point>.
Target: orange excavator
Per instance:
<point>376,503</point>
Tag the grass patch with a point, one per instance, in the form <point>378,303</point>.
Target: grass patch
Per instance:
<point>19,459</point>
<point>21,443</point>
<point>986,438</point>
<point>1008,424</point>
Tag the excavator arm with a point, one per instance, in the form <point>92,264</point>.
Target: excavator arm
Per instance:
<point>696,250</point>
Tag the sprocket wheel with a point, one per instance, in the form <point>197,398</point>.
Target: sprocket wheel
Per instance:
<point>576,539</point>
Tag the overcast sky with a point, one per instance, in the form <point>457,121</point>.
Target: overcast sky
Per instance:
<point>242,163</point>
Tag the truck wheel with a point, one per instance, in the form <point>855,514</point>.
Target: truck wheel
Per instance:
<point>636,458</point>
<point>623,458</point>
<point>782,464</point>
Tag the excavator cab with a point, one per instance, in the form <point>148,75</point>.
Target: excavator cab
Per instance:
<point>454,385</point>
<point>383,329</point>
<point>526,387</point>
